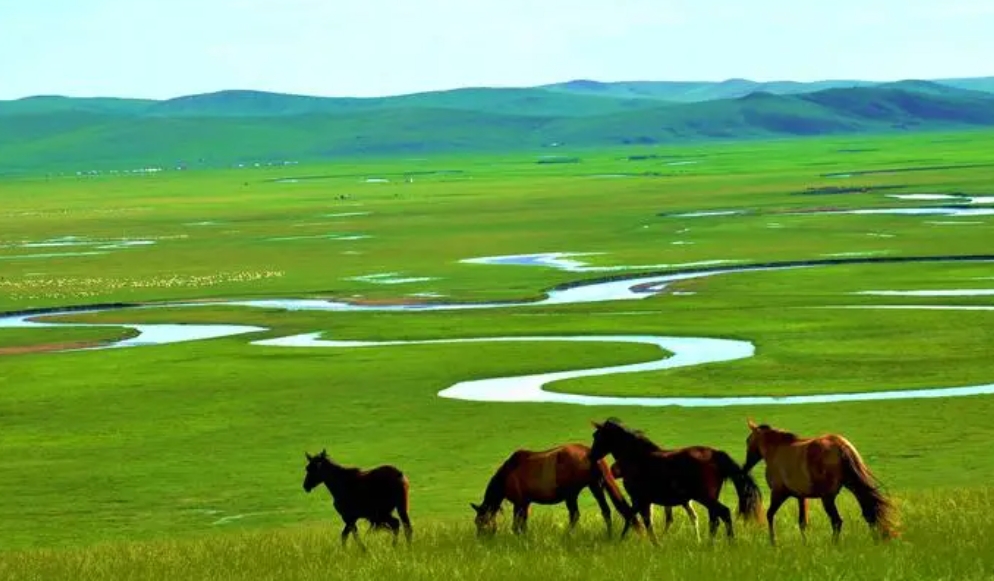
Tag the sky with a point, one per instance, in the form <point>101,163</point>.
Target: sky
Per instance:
<point>167,48</point>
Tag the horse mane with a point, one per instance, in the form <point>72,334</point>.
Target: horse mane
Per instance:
<point>637,435</point>
<point>333,468</point>
<point>782,435</point>
<point>493,496</point>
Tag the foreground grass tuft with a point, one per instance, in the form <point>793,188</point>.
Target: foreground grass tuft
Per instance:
<point>947,535</point>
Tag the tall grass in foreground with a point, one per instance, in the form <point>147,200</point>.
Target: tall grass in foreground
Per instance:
<point>947,535</point>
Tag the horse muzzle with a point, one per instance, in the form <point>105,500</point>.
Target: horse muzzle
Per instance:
<point>752,458</point>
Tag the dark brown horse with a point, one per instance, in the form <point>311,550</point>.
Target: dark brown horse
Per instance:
<point>691,513</point>
<point>548,477</point>
<point>675,477</point>
<point>804,468</point>
<point>369,494</point>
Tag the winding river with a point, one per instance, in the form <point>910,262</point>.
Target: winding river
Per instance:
<point>675,352</point>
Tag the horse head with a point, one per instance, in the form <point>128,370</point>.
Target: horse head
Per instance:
<point>486,519</point>
<point>755,444</point>
<point>609,437</point>
<point>314,471</point>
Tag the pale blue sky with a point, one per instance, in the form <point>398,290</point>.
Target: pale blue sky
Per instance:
<point>167,48</point>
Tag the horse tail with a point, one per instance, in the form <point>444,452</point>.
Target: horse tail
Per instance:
<point>404,506</point>
<point>750,497</point>
<point>613,491</point>
<point>877,509</point>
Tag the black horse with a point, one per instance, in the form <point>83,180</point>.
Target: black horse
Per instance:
<point>675,477</point>
<point>369,494</point>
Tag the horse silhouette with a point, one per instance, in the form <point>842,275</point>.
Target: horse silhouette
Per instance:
<point>674,477</point>
<point>362,494</point>
<point>819,467</point>
<point>548,477</point>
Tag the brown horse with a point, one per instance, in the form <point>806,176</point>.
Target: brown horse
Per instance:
<point>369,494</point>
<point>675,477</point>
<point>691,513</point>
<point>804,468</point>
<point>548,477</point>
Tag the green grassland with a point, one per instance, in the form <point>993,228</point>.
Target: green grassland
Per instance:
<point>187,460</point>
<point>34,337</point>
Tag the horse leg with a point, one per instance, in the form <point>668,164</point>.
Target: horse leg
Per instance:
<point>713,521</point>
<point>718,513</point>
<point>574,512</point>
<point>692,514</point>
<point>629,522</point>
<point>645,510</point>
<point>351,528</point>
<point>802,516</point>
<point>777,498</point>
<point>406,521</point>
<point>358,541</point>
<point>833,513</point>
<point>602,503</point>
<point>394,526</point>
<point>520,519</point>
<point>669,518</point>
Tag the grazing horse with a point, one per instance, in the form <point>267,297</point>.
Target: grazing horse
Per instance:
<point>675,477</point>
<point>369,494</point>
<point>548,477</point>
<point>804,468</point>
<point>691,513</point>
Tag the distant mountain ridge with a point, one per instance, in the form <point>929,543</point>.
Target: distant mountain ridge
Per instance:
<point>692,92</point>
<point>631,95</point>
<point>230,127</point>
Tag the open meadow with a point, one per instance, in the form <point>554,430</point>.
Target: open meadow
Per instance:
<point>183,459</point>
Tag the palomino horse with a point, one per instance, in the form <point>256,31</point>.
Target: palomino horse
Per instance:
<point>804,468</point>
<point>548,477</point>
<point>369,494</point>
<point>691,513</point>
<point>675,477</point>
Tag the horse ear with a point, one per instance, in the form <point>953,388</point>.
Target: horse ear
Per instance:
<point>751,424</point>
<point>596,425</point>
<point>476,507</point>
<point>324,453</point>
<point>308,456</point>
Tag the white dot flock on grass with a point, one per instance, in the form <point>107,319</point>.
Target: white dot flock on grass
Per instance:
<point>390,278</point>
<point>856,253</point>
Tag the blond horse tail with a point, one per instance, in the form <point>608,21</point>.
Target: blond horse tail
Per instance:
<point>878,510</point>
<point>614,492</point>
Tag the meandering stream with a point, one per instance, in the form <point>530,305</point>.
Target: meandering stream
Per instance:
<point>675,351</point>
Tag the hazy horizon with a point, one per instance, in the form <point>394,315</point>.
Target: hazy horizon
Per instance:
<point>151,49</point>
<point>443,89</point>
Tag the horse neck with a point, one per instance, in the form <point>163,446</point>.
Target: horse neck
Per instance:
<point>773,441</point>
<point>494,495</point>
<point>336,476</point>
<point>634,448</point>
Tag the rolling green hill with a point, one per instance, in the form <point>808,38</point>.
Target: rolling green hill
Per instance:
<point>525,102</point>
<point>56,104</point>
<point>985,84</point>
<point>233,127</point>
